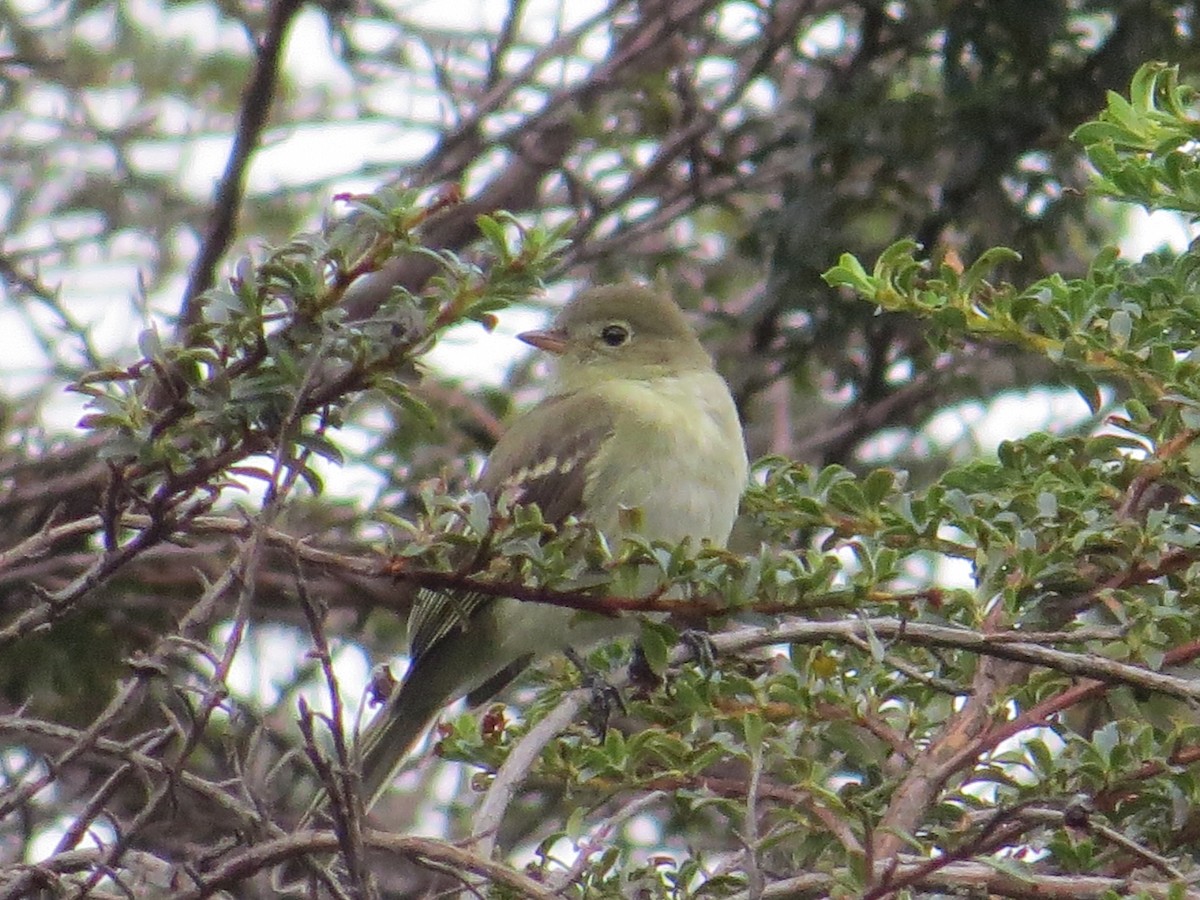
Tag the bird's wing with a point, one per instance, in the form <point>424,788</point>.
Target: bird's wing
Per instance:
<point>546,462</point>
<point>546,459</point>
<point>436,614</point>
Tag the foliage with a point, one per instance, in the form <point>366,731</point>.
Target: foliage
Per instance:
<point>931,675</point>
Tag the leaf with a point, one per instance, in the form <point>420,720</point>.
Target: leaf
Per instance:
<point>655,647</point>
<point>322,446</point>
<point>1105,739</point>
<point>753,728</point>
<point>1120,326</point>
<point>479,512</point>
<point>984,265</point>
<point>877,649</point>
<point>1085,385</point>
<point>313,480</point>
<point>849,272</point>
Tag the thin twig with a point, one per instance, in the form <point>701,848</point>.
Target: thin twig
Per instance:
<point>755,880</point>
<point>255,107</point>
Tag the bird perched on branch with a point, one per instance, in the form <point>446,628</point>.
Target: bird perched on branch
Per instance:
<point>636,419</point>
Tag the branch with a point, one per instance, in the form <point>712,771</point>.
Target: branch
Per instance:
<point>981,878</point>
<point>930,771</point>
<point>243,864</point>
<point>255,107</point>
<point>424,851</point>
<point>1015,646</point>
<point>53,737</point>
<point>540,143</point>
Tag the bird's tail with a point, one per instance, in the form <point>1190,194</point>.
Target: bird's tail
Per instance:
<point>386,742</point>
<point>393,733</point>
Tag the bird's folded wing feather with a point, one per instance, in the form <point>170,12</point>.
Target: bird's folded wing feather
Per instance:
<point>545,462</point>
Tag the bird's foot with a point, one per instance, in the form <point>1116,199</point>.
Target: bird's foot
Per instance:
<point>646,679</point>
<point>605,699</point>
<point>704,651</point>
<point>641,674</point>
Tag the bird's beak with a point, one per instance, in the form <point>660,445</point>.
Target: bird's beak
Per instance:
<point>551,340</point>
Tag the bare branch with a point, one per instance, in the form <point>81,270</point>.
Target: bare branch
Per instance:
<point>256,107</point>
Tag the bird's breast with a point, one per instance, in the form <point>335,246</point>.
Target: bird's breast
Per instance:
<point>676,457</point>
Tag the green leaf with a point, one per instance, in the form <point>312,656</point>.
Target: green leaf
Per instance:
<point>989,260</point>
<point>877,649</point>
<point>849,272</point>
<point>655,645</point>
<point>322,446</point>
<point>753,728</point>
<point>1120,327</point>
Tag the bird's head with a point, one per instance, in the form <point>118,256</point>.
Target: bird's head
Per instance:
<point>620,331</point>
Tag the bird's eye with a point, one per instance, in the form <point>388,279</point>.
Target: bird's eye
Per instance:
<point>614,335</point>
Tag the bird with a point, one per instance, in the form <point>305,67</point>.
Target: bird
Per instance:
<point>636,418</point>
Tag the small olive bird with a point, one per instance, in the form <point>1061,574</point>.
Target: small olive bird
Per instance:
<point>636,419</point>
